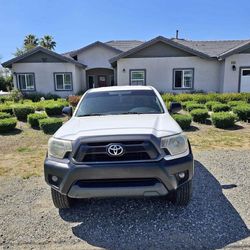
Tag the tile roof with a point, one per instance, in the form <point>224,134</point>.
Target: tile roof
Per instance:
<point>124,45</point>
<point>62,57</point>
<point>212,48</point>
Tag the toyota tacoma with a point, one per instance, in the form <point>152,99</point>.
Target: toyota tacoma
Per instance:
<point>119,142</point>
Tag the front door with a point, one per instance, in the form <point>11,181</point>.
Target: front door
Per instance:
<point>245,80</point>
<point>102,81</point>
<point>91,82</point>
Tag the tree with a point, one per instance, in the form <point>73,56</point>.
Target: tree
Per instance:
<point>31,41</point>
<point>48,42</point>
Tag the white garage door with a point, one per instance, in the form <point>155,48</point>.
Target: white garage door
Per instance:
<point>245,80</point>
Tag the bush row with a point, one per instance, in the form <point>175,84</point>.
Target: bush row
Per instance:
<point>183,120</point>
<point>33,119</point>
<point>4,115</point>
<point>223,119</point>
<point>203,98</point>
<point>50,125</point>
<point>7,124</point>
<point>22,110</point>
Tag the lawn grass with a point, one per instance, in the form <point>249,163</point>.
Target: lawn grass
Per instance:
<point>205,137</point>
<point>23,151</point>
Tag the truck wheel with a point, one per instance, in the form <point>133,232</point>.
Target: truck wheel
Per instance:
<point>182,195</point>
<point>60,200</point>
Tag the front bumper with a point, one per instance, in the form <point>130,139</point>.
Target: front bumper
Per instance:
<point>164,171</point>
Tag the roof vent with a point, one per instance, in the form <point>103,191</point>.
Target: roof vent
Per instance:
<point>177,34</point>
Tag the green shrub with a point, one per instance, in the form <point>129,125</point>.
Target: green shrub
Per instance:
<point>54,109</point>
<point>183,120</point>
<point>50,125</point>
<point>7,124</point>
<point>184,104</point>
<point>220,107</point>
<point>209,104</point>
<point>232,104</point>
<point>199,115</point>
<point>200,98</point>
<point>227,97</point>
<point>168,97</point>
<point>16,95</point>
<point>6,109</point>
<point>22,111</point>
<point>33,119</point>
<point>39,106</point>
<point>223,119</point>
<point>5,98</point>
<point>242,111</point>
<point>4,115</point>
<point>36,97</point>
<point>192,106</point>
<point>184,97</point>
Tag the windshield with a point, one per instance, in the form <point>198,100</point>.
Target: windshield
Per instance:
<point>120,102</point>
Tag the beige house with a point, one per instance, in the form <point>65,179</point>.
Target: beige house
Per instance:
<point>170,65</point>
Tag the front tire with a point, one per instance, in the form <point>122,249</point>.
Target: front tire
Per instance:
<point>60,200</point>
<point>182,195</point>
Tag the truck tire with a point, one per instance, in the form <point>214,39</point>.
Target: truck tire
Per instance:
<point>60,200</point>
<point>182,195</point>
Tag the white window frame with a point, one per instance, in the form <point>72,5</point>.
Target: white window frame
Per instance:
<point>183,77</point>
<point>64,84</point>
<point>137,80</point>
<point>27,88</point>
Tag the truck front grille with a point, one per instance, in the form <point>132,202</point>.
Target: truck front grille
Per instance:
<point>106,183</point>
<point>133,151</point>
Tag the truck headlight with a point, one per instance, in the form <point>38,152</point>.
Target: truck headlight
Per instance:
<point>176,144</point>
<point>58,148</point>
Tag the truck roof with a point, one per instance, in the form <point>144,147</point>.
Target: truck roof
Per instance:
<point>120,88</point>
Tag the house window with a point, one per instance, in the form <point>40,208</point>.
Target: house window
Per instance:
<point>26,81</point>
<point>138,77</point>
<point>183,78</point>
<point>63,81</point>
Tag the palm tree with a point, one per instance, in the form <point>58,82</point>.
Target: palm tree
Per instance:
<point>48,42</point>
<point>30,41</point>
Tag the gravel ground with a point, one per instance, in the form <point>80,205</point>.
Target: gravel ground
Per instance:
<point>217,217</point>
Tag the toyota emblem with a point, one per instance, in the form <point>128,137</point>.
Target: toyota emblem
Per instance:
<point>115,150</point>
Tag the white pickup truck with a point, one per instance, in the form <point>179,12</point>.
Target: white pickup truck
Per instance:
<point>120,141</point>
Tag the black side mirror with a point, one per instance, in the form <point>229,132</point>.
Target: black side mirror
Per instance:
<point>67,111</point>
<point>175,107</point>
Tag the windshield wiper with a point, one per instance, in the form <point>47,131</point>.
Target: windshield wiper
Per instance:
<point>91,114</point>
<point>128,113</point>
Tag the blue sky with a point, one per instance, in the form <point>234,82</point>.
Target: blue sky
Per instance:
<point>75,23</point>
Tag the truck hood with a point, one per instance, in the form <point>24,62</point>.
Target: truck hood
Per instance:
<point>157,124</point>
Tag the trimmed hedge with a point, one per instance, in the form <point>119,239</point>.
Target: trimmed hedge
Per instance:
<point>22,111</point>
<point>223,98</point>
<point>183,120</point>
<point>220,107</point>
<point>209,104</point>
<point>4,115</point>
<point>232,104</point>
<point>33,119</point>
<point>200,98</point>
<point>54,109</point>
<point>6,109</point>
<point>199,115</point>
<point>223,119</point>
<point>192,106</point>
<point>7,124</point>
<point>242,111</point>
<point>50,125</point>
<point>5,98</point>
<point>184,104</point>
